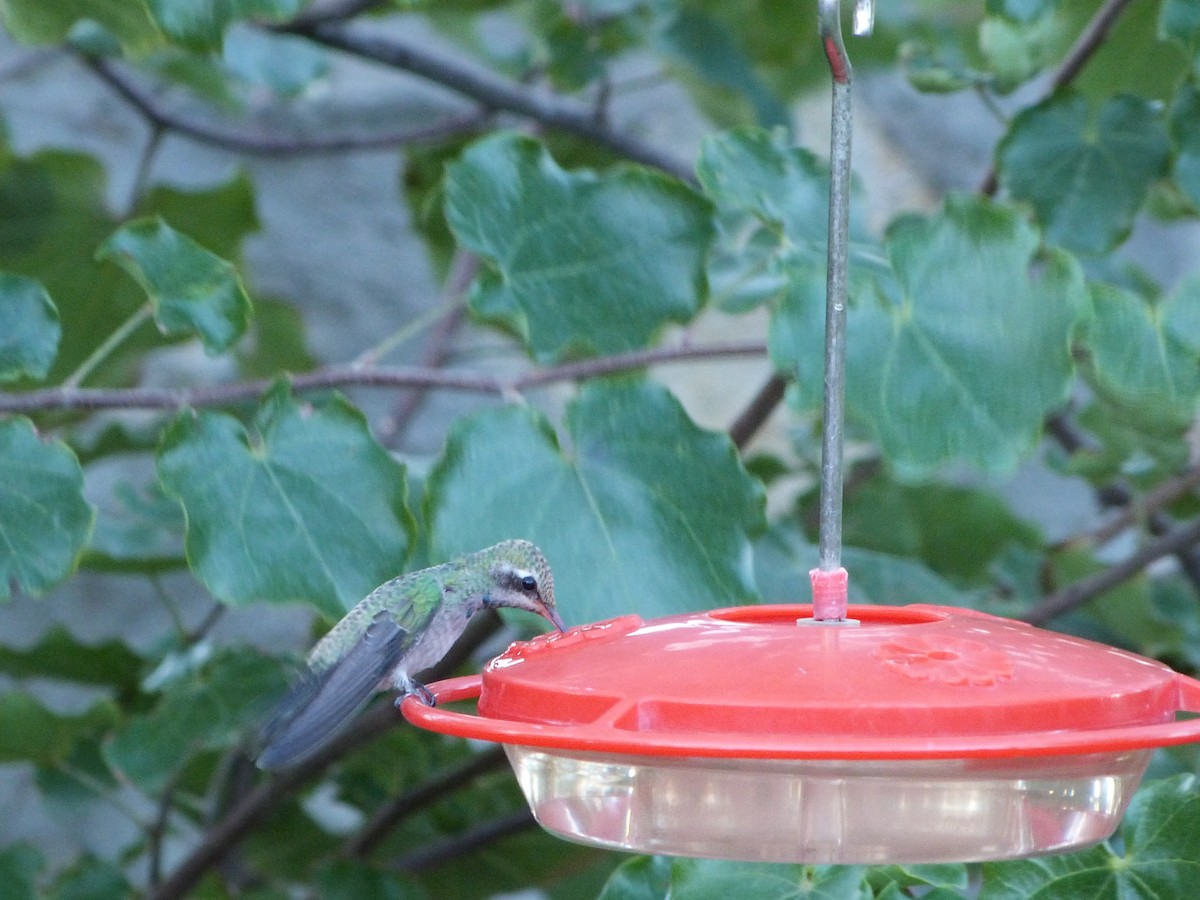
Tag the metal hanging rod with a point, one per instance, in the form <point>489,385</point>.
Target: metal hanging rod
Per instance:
<point>829,578</point>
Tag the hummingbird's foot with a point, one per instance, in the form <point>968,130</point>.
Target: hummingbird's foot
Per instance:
<point>422,692</point>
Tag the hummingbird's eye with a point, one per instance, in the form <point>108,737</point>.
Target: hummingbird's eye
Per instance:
<point>529,583</point>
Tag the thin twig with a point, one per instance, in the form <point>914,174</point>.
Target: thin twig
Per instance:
<point>141,173</point>
<point>467,842</point>
<point>492,91</point>
<point>1140,509</point>
<point>107,346</point>
<point>325,13</point>
<point>1090,40</point>
<point>436,353</point>
<point>371,356</point>
<point>161,116</point>
<point>390,814</point>
<point>158,829</point>
<point>1072,439</point>
<point>1080,592</point>
<point>62,398</point>
<point>463,268</point>
<point>205,625</point>
<point>758,411</point>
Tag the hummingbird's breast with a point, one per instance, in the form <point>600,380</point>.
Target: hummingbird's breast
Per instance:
<point>448,623</point>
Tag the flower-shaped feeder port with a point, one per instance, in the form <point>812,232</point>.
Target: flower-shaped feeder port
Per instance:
<point>923,734</point>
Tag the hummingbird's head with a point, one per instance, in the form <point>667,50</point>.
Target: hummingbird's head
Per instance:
<point>521,579</point>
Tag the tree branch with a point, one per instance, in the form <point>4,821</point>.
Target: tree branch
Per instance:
<point>425,794</point>
<point>1080,592</point>
<point>467,842</point>
<point>162,117</point>
<point>1141,508</point>
<point>491,91</point>
<point>1073,440</point>
<point>1090,40</point>
<point>62,398</point>
<point>252,808</point>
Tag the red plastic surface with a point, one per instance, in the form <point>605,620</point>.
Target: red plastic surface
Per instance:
<point>914,682</point>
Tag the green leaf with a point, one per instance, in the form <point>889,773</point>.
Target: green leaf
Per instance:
<point>642,512</point>
<point>352,881</point>
<point>276,342</point>
<point>750,170</point>
<point>1179,20</point>
<point>572,50</point>
<point>783,559</point>
<point>29,732</point>
<point>219,218</point>
<point>938,67</point>
<point>528,862</point>
<point>956,531</point>
<point>1161,860</point>
<point>205,712</point>
<point>1086,173</point>
<point>780,45</point>
<point>796,335</point>
<point>1134,58</point>
<point>138,527</point>
<point>52,217</point>
<point>191,289</point>
<point>92,879</point>
<point>60,655</point>
<point>422,183</point>
<point>201,24</point>
<point>309,507</point>
<point>40,22</point>
<point>941,875</point>
<point>710,879</point>
<point>29,329</point>
<point>1018,51</point>
<point>972,351</point>
<point>1185,133</point>
<point>20,865</point>
<point>1143,357</point>
<point>286,64</point>
<point>710,52</point>
<point>44,520</point>
<point>577,262</point>
<point>640,878</point>
<point>1021,10</point>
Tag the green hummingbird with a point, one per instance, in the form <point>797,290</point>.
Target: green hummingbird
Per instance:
<point>402,627</point>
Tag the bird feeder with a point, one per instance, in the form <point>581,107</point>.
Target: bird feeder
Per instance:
<point>921,734</point>
<point>824,733</point>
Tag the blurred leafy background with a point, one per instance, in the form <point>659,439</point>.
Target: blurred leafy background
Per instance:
<point>296,296</point>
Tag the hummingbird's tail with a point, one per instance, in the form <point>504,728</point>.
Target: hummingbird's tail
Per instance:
<point>320,705</point>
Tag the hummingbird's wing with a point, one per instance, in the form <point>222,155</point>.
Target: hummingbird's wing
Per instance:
<point>339,685</point>
<point>323,702</point>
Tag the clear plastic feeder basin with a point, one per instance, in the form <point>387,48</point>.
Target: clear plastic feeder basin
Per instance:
<point>923,734</point>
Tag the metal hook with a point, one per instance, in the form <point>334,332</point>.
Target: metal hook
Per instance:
<point>829,579</point>
<point>864,18</point>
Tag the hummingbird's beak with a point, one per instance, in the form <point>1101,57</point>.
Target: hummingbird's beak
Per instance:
<point>552,614</point>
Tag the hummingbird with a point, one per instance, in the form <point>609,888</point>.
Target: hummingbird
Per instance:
<point>401,628</point>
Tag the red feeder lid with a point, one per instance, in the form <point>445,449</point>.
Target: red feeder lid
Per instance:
<point>912,682</point>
